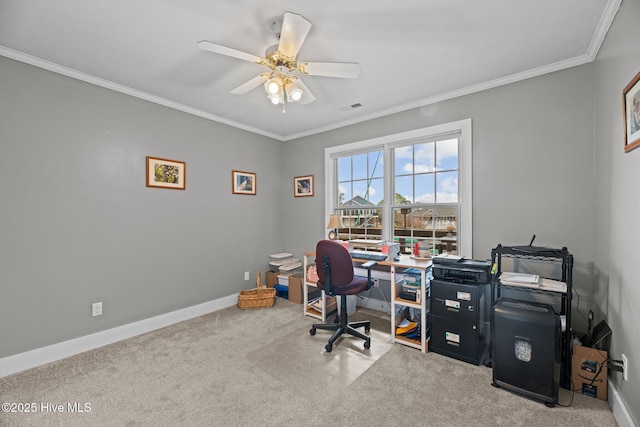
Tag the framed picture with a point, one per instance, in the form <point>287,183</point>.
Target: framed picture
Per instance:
<point>303,186</point>
<point>243,182</point>
<point>165,173</point>
<point>631,114</point>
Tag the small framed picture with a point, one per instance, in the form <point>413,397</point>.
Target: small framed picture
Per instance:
<point>631,114</point>
<point>243,182</point>
<point>165,173</point>
<point>303,186</point>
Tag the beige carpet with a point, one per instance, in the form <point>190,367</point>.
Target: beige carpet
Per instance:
<point>262,368</point>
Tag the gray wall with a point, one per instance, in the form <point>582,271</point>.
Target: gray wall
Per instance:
<point>617,207</point>
<point>532,167</point>
<point>78,225</point>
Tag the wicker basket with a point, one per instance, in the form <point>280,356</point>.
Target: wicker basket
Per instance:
<point>257,298</point>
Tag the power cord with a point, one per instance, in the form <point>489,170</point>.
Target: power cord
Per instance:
<point>575,291</point>
<point>573,392</point>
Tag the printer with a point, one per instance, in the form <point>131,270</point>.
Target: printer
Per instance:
<point>461,270</point>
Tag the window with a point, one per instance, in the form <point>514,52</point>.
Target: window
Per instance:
<point>410,188</point>
<point>360,180</point>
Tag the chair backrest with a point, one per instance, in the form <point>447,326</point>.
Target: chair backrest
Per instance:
<point>340,260</point>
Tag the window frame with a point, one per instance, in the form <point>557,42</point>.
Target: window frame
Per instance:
<point>387,144</point>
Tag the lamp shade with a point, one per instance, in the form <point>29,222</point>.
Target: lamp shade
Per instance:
<point>273,86</point>
<point>335,222</point>
<point>294,93</point>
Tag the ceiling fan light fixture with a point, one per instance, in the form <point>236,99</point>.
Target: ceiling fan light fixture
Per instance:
<point>276,99</point>
<point>273,86</point>
<point>294,92</point>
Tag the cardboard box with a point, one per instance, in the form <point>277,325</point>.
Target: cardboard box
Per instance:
<point>272,279</point>
<point>295,289</point>
<point>589,371</point>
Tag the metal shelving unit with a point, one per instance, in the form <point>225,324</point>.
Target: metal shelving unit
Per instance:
<point>545,262</point>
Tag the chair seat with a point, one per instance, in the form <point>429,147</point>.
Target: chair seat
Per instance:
<point>359,284</point>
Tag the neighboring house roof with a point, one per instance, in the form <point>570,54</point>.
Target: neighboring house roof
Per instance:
<point>358,201</point>
<point>440,211</point>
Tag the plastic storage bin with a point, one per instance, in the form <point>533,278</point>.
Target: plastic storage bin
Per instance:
<point>291,268</point>
<point>282,291</point>
<point>276,260</point>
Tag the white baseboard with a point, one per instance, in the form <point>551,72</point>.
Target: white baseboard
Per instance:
<point>620,412</point>
<point>41,356</point>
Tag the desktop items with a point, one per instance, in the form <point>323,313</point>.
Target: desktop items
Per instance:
<point>335,222</point>
<point>367,255</point>
<point>392,250</point>
<point>526,349</point>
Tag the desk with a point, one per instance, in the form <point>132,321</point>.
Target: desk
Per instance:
<point>395,269</point>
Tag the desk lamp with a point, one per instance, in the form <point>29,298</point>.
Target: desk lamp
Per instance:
<point>334,223</point>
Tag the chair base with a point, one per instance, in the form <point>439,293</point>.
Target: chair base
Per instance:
<point>343,326</point>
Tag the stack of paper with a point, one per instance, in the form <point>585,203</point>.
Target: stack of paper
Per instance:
<point>532,281</point>
<point>553,285</point>
<point>520,279</point>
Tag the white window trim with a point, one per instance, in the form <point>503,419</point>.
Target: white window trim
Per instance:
<point>386,143</point>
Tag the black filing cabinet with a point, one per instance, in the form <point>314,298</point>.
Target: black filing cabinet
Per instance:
<point>458,320</point>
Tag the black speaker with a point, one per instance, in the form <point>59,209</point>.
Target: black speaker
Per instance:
<point>525,349</point>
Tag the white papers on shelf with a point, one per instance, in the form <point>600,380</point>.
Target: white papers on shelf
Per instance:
<point>519,278</point>
<point>553,285</point>
<point>532,281</point>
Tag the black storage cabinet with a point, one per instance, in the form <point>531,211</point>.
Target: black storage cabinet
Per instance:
<point>526,349</point>
<point>457,320</point>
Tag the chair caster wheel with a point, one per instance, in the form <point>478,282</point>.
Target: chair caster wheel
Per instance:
<point>312,331</point>
<point>367,344</point>
<point>328,347</point>
<point>367,328</point>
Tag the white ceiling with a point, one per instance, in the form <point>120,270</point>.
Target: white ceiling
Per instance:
<point>411,52</point>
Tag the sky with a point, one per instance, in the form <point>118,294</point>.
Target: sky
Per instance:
<point>423,173</point>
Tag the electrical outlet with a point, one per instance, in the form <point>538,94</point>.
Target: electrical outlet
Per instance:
<point>625,368</point>
<point>246,275</point>
<point>96,309</point>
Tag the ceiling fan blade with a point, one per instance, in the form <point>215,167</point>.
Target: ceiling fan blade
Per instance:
<point>347,70</point>
<point>307,96</point>
<point>223,50</point>
<point>250,85</point>
<point>294,30</point>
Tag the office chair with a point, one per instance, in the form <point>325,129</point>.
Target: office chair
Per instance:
<point>336,278</point>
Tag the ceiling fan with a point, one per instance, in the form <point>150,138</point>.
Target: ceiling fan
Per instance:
<point>282,82</point>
